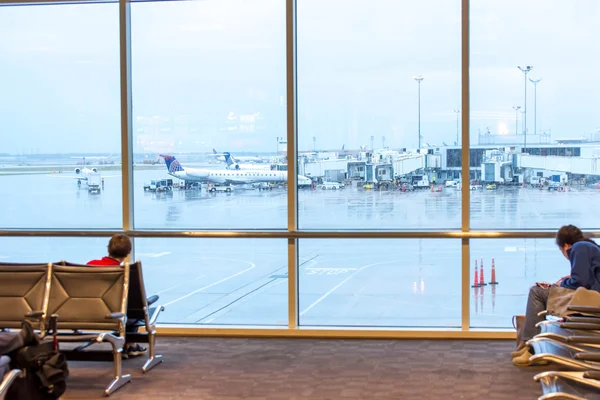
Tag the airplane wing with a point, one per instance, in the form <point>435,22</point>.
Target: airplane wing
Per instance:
<point>68,177</point>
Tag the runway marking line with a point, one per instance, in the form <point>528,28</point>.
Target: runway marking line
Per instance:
<point>164,253</point>
<point>333,289</point>
<point>181,284</point>
<point>252,266</point>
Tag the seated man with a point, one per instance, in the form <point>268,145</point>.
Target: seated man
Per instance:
<point>119,248</point>
<point>584,256</point>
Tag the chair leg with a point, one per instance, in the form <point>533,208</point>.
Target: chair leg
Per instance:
<point>119,379</point>
<point>153,359</point>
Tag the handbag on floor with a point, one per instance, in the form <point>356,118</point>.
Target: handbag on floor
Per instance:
<point>518,322</point>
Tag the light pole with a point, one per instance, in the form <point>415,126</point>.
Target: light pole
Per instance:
<point>277,152</point>
<point>419,79</point>
<point>525,71</point>
<point>383,142</point>
<point>315,144</point>
<point>372,140</point>
<point>523,120</point>
<point>457,119</point>
<point>516,108</point>
<point>535,82</point>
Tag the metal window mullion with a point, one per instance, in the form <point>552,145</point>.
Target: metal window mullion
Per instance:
<point>466,178</point>
<point>292,161</point>
<point>126,113</point>
<point>141,233</point>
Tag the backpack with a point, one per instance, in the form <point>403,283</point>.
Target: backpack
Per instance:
<point>45,370</point>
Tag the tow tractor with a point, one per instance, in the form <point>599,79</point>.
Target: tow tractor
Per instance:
<point>162,185</point>
<point>93,183</point>
<point>220,188</point>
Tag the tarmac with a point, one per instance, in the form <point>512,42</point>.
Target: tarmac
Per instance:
<point>349,283</point>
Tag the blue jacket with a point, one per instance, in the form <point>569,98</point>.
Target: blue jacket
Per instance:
<point>585,266</point>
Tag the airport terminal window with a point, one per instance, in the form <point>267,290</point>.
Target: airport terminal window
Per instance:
<point>527,101</point>
<point>209,95</point>
<point>60,117</point>
<point>518,264</point>
<point>380,283</point>
<point>362,78</point>
<point>217,281</point>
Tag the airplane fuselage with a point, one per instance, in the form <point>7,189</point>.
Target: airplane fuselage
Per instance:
<point>235,176</point>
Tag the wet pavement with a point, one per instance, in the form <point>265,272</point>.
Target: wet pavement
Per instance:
<point>373,283</point>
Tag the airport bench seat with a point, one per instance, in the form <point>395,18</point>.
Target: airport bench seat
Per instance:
<point>574,385</point>
<point>569,328</point>
<point>142,312</point>
<point>23,295</point>
<point>91,304</point>
<point>573,355</point>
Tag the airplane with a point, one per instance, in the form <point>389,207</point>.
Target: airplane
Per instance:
<point>89,176</point>
<point>233,163</point>
<point>226,176</point>
<point>84,172</point>
<point>221,157</point>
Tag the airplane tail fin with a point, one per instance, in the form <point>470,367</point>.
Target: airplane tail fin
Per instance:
<point>229,160</point>
<point>172,163</point>
<point>215,151</point>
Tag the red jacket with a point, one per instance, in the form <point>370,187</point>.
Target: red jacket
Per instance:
<point>104,262</point>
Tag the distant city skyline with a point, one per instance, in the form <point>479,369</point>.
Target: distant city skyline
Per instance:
<point>213,72</point>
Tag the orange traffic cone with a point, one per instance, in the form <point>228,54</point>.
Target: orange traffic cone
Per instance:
<point>476,280</point>
<point>493,281</point>
<point>481,280</point>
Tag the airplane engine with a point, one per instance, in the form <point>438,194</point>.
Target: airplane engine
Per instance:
<point>95,169</point>
<point>77,171</point>
<point>236,166</point>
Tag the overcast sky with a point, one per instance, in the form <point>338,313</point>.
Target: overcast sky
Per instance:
<point>201,67</point>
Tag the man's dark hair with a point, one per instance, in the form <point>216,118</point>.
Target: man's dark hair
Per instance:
<point>570,234</point>
<point>119,246</point>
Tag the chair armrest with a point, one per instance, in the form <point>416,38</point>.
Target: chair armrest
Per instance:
<point>585,309</point>
<point>592,375</point>
<point>35,315</point>
<point>580,326</point>
<point>589,320</point>
<point>152,299</point>
<point>588,356</point>
<point>115,315</point>
<point>153,314</point>
<point>583,339</point>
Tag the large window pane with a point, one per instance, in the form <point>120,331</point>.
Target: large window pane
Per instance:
<point>209,77</point>
<point>372,77</point>
<point>54,249</point>
<point>59,117</point>
<point>383,283</point>
<point>518,264</point>
<point>217,281</point>
<point>533,113</point>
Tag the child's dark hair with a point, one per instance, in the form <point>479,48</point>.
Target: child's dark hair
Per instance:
<point>119,246</point>
<point>570,234</point>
